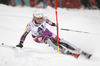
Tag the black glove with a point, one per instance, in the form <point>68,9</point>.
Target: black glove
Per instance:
<point>54,25</point>
<point>20,44</point>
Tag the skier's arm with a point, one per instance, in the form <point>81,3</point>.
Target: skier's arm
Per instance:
<point>22,39</point>
<point>26,32</point>
<point>50,22</point>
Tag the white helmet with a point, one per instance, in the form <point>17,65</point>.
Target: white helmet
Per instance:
<point>37,13</point>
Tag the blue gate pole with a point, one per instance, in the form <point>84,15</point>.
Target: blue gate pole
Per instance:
<point>60,3</point>
<point>35,2</point>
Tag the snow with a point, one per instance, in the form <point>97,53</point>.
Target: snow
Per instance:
<point>13,21</point>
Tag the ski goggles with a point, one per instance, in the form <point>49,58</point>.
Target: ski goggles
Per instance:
<point>39,18</point>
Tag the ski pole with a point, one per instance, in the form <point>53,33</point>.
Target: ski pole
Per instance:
<point>75,31</point>
<point>79,31</point>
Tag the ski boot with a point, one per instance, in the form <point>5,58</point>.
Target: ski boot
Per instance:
<point>70,53</point>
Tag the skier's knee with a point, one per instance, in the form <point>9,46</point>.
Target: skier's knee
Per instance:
<point>51,43</point>
<point>66,44</point>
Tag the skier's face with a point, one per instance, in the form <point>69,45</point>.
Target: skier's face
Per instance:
<point>39,20</point>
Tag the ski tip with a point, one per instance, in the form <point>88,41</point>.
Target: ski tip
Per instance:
<point>89,56</point>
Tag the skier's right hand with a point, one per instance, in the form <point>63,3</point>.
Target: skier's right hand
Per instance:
<point>20,44</point>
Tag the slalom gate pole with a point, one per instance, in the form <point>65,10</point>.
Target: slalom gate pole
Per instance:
<point>57,26</point>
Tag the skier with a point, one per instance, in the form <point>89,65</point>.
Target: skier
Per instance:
<point>41,34</point>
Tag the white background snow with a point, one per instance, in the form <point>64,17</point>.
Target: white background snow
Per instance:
<point>13,21</point>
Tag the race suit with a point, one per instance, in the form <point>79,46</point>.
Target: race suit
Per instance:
<point>39,31</point>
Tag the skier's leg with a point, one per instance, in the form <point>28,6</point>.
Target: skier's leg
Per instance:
<point>51,39</point>
<point>73,48</point>
<point>52,43</point>
<point>62,48</point>
<point>70,46</point>
<point>67,44</point>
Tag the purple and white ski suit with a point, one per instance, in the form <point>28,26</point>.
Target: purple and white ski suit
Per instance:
<point>39,31</point>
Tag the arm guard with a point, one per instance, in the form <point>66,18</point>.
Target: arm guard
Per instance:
<point>50,22</point>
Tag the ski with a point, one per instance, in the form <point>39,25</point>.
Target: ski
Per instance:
<point>87,55</point>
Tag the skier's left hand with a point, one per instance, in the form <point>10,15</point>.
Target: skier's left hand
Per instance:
<point>20,44</point>
<point>54,25</point>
